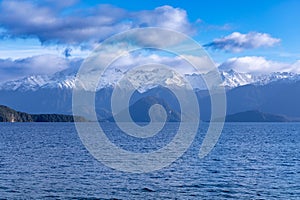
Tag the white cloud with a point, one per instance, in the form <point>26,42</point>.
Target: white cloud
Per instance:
<point>237,42</point>
<point>30,19</point>
<point>165,17</point>
<point>258,65</point>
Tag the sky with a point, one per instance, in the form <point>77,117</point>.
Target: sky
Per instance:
<point>46,36</point>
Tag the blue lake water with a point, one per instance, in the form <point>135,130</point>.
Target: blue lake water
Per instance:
<point>250,161</point>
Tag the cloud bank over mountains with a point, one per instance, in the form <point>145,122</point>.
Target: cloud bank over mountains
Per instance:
<point>49,64</point>
<point>36,65</point>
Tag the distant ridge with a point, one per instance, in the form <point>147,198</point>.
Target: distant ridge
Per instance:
<point>9,115</point>
<point>139,111</point>
<point>256,116</point>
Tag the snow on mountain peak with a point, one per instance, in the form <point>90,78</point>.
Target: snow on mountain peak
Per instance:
<point>232,78</point>
<point>66,79</point>
<point>27,83</point>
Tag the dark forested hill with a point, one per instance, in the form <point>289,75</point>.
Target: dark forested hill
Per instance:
<point>9,115</point>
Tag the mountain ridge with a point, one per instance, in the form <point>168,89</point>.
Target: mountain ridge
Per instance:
<point>256,116</point>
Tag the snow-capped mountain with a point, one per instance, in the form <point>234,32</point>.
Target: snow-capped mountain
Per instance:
<point>276,93</point>
<point>287,76</point>
<point>34,83</point>
<point>66,80</point>
<point>232,79</point>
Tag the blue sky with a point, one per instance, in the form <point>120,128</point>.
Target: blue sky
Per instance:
<point>247,36</point>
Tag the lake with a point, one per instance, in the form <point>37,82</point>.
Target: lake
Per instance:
<point>250,161</point>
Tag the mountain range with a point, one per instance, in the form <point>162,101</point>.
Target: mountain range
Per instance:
<point>276,93</point>
<point>66,80</point>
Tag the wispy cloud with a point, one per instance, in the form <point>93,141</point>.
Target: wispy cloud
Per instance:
<point>258,65</point>
<point>173,62</point>
<point>36,65</point>
<point>29,19</point>
<point>237,42</point>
